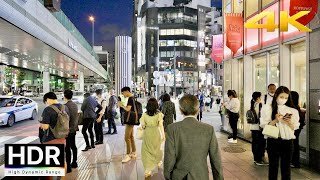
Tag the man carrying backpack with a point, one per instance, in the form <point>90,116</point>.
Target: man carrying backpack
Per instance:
<point>55,120</point>
<point>98,124</point>
<point>54,127</point>
<point>112,112</point>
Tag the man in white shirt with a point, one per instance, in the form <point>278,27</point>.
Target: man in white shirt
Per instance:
<point>98,125</point>
<point>269,96</point>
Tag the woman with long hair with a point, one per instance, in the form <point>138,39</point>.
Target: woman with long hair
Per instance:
<point>296,147</point>
<point>233,108</point>
<point>169,111</point>
<point>282,114</point>
<point>258,141</point>
<point>152,123</point>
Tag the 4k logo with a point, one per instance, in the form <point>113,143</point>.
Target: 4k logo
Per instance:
<point>270,25</point>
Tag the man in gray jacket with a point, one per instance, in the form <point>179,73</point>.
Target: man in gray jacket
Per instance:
<point>188,143</point>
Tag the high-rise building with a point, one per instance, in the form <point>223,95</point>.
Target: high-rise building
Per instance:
<point>123,62</point>
<point>166,29</point>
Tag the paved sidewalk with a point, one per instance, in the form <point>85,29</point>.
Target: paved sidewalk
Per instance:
<point>104,162</point>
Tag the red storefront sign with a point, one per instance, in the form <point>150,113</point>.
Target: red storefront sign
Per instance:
<point>304,5</point>
<point>234,31</point>
<point>217,48</point>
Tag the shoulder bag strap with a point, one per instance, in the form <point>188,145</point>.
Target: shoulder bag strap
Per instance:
<point>135,109</point>
<point>56,109</point>
<point>265,99</point>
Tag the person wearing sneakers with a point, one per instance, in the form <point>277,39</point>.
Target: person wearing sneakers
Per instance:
<point>152,123</point>
<point>233,108</point>
<point>131,146</point>
<point>258,141</point>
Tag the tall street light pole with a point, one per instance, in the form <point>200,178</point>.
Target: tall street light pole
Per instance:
<point>92,19</point>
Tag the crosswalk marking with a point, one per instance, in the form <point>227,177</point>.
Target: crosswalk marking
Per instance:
<point>25,140</point>
<point>5,138</point>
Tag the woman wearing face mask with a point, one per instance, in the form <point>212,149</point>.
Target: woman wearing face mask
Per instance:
<point>258,141</point>
<point>281,114</point>
<point>233,107</point>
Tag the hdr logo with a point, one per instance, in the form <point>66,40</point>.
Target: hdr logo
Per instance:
<point>34,160</point>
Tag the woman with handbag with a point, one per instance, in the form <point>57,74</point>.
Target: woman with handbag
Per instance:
<point>258,141</point>
<point>169,111</point>
<point>233,108</point>
<point>279,121</point>
<point>153,135</point>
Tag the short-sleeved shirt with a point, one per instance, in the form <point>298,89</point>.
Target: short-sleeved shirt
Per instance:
<point>130,103</point>
<point>50,116</point>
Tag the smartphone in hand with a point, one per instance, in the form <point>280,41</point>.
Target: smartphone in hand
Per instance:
<point>287,116</point>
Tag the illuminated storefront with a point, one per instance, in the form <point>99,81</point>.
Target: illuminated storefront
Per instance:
<point>265,57</point>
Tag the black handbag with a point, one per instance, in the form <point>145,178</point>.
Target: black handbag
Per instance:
<point>132,117</point>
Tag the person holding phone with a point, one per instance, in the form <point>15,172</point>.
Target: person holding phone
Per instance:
<point>282,114</point>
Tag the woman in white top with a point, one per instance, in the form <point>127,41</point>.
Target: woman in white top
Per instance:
<point>207,102</point>
<point>281,114</point>
<point>258,141</point>
<point>233,107</point>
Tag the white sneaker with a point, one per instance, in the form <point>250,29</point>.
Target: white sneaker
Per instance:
<point>233,141</point>
<point>127,158</point>
<point>133,155</point>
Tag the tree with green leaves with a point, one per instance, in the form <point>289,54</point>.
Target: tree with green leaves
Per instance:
<point>20,78</point>
<point>8,75</point>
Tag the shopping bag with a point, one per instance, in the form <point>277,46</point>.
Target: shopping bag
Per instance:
<point>139,133</point>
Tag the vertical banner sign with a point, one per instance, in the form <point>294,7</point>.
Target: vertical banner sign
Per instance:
<point>304,5</point>
<point>234,31</point>
<point>217,48</point>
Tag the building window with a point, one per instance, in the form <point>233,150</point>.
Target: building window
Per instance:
<point>251,7</point>
<point>163,43</point>
<point>163,54</point>
<point>266,2</point>
<point>260,71</point>
<point>163,32</point>
<point>188,54</point>
<point>170,43</point>
<point>298,71</point>
<point>274,69</point>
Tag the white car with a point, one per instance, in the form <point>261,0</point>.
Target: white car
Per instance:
<point>28,94</point>
<point>78,97</point>
<point>16,108</point>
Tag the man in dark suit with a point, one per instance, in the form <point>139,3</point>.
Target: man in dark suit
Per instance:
<point>188,143</point>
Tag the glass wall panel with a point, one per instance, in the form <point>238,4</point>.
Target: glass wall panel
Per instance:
<point>260,74</point>
<point>269,38</point>
<point>252,6</point>
<point>266,2</point>
<point>227,75</point>
<point>274,69</point>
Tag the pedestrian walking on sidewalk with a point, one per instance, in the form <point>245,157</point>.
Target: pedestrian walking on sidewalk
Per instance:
<point>129,129</point>
<point>112,112</point>
<point>169,111</point>
<point>153,136</point>
<point>233,108</point>
<point>98,124</point>
<point>207,103</point>
<point>188,144</point>
<point>280,113</point>
<point>73,128</point>
<point>258,141</point>
<point>201,101</point>
<point>89,116</point>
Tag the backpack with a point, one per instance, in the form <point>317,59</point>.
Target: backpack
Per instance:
<point>61,130</point>
<point>139,107</point>
<point>251,117</point>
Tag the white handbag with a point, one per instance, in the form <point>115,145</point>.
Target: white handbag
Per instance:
<point>139,133</point>
<point>271,131</point>
<point>118,114</point>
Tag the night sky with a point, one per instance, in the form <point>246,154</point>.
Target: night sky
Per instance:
<point>113,17</point>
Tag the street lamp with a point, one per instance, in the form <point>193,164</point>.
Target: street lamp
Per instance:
<point>92,19</point>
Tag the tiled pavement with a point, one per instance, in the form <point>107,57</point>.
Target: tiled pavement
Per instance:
<point>104,162</point>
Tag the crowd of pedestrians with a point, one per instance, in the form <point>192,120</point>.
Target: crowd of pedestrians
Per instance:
<point>275,119</point>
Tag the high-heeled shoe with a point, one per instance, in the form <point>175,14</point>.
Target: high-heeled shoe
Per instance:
<point>147,174</point>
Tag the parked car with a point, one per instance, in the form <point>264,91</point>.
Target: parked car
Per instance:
<point>78,97</point>
<point>16,108</point>
<point>28,94</point>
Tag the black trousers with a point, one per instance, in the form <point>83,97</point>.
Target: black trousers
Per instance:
<point>88,126</point>
<point>258,145</point>
<point>112,124</point>
<point>233,121</point>
<point>199,117</point>
<point>279,149</point>
<point>296,149</point>
<point>122,111</point>
<point>71,145</point>
<point>98,129</point>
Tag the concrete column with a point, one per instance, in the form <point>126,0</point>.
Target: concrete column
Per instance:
<point>81,81</point>
<point>46,82</point>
